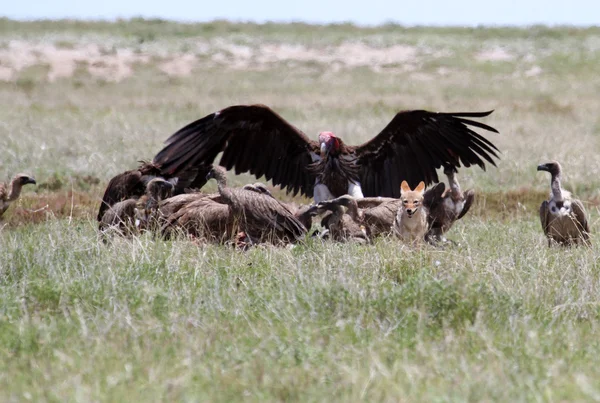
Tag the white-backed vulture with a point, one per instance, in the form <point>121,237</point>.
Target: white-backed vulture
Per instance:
<point>131,215</point>
<point>339,224</point>
<point>9,192</point>
<point>454,205</point>
<point>207,218</point>
<point>563,217</point>
<point>132,184</point>
<point>210,219</point>
<point>173,204</point>
<point>262,217</point>
<point>255,139</point>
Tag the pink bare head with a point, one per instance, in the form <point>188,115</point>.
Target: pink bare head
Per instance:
<point>329,142</point>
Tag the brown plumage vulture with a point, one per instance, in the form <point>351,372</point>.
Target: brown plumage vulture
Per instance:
<point>343,225</point>
<point>261,217</point>
<point>453,206</point>
<point>255,139</point>
<point>132,184</point>
<point>9,192</point>
<point>373,215</point>
<point>131,215</point>
<point>206,217</point>
<point>564,219</point>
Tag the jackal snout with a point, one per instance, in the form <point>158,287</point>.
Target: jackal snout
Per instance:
<point>411,199</point>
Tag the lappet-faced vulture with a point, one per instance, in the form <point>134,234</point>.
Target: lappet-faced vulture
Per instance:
<point>255,139</point>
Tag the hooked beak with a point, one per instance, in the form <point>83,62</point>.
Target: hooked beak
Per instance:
<point>323,148</point>
<point>542,167</point>
<point>30,181</point>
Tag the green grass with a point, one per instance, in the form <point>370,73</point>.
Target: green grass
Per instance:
<point>498,317</point>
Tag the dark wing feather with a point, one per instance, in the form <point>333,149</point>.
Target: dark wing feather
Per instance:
<point>253,138</point>
<point>124,186</point>
<point>132,184</point>
<point>581,217</point>
<point>432,198</point>
<point>415,143</point>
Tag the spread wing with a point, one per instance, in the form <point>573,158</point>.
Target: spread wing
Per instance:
<point>253,138</point>
<point>415,143</point>
<point>544,219</point>
<point>581,217</point>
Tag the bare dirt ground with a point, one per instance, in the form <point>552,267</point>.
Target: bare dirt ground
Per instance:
<point>115,64</point>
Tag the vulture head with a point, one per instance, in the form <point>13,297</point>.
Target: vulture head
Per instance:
<point>329,143</point>
<point>218,173</point>
<point>553,167</point>
<point>160,189</point>
<point>23,179</point>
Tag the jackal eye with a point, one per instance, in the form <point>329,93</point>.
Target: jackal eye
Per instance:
<point>405,201</point>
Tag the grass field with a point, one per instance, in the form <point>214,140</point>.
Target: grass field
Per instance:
<point>498,317</point>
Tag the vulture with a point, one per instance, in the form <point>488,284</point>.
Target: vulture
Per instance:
<point>563,217</point>
<point>130,215</point>
<point>343,226</point>
<point>372,216</point>
<point>453,206</point>
<point>255,139</point>
<point>260,216</point>
<point>173,204</point>
<point>207,218</point>
<point>132,184</point>
<point>11,191</point>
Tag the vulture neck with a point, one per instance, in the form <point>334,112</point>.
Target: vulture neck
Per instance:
<point>304,215</point>
<point>151,202</point>
<point>14,190</point>
<point>224,190</point>
<point>353,211</point>
<point>557,193</point>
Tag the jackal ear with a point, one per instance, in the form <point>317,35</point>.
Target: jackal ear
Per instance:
<point>404,187</point>
<point>420,187</point>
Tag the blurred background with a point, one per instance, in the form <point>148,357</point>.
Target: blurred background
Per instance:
<point>437,12</point>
